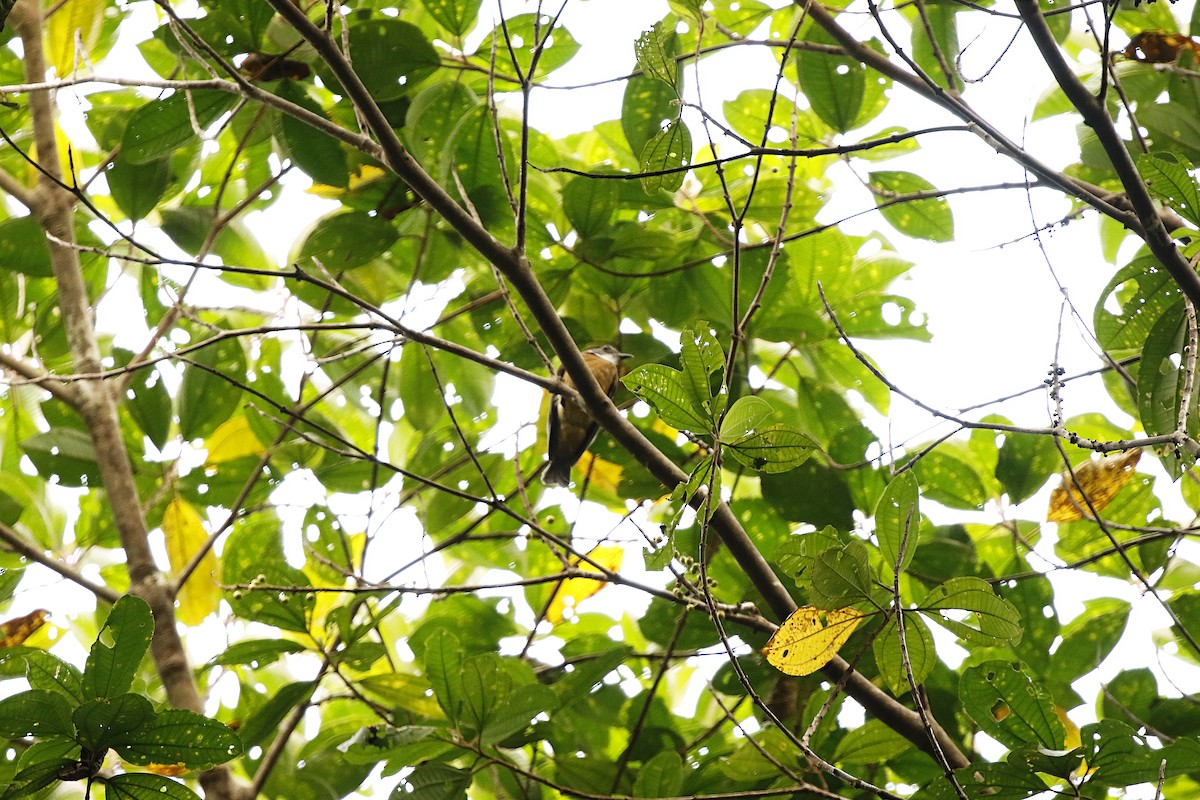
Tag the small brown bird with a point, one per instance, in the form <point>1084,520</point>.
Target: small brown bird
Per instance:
<point>570,427</point>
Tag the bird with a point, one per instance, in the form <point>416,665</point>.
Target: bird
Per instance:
<point>569,426</point>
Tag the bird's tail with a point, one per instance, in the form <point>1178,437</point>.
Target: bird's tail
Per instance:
<point>557,474</point>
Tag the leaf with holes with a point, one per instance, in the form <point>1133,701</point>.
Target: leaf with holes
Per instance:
<point>810,638</point>
<point>910,203</point>
<point>667,155</point>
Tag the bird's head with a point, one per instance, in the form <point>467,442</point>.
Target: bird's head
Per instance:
<point>609,353</point>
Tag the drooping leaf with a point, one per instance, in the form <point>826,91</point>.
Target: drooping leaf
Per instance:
<point>1009,706</point>
<point>903,200</point>
<point>185,535</point>
<point>667,154</point>
<point>990,619</point>
<point>111,668</point>
<point>1097,480</point>
<point>897,521</point>
<point>159,128</point>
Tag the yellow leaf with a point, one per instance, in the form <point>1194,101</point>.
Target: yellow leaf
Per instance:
<point>84,16</point>
<point>170,770</point>
<point>1072,740</point>
<point>658,426</point>
<point>574,591</point>
<point>605,476</point>
<point>185,535</point>
<point>364,175</point>
<point>810,638</point>
<point>233,439</point>
<point>33,174</point>
<point>1100,480</point>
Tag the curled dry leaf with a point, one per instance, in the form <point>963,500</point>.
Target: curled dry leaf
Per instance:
<point>1099,480</point>
<point>1160,47</point>
<point>15,631</point>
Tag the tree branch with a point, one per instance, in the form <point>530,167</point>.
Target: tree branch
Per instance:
<point>519,273</point>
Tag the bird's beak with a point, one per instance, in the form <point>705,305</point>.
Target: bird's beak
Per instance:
<point>624,356</point>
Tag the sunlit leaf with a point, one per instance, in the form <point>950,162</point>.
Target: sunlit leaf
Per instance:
<point>1097,480</point>
<point>989,619</point>
<point>573,591</point>
<point>1009,706</point>
<point>809,638</point>
<point>667,153</point>
<point>233,439</point>
<point>185,535</point>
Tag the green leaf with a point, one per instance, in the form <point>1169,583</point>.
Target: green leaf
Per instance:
<point>648,105</point>
<point>137,188</point>
<point>1160,375</point>
<point>841,577</point>
<point>1142,291</point>
<point>873,742</point>
<point>35,777</point>
<point>434,114</point>
<point>150,403</point>
<point>743,418</point>
<point>1169,178</point>
<point>667,392</point>
<point>254,555</point>
<point>1089,638</point>
<point>660,776</point>
<point>1025,463</point>
<point>255,653</point>
<point>46,671</point>
<point>653,58</point>
<point>951,481</point>
<point>264,723</point>
<point>701,355</point>
<point>898,522</point>
<point>843,93</point>
<point>346,240</point>
<point>159,128</point>
<point>37,712</point>
<point>101,722</point>
<point>940,20</point>
<point>992,620</point>
<point>456,16</point>
<point>206,398</point>
<point>1008,706</point>
<point>23,248</point>
<point>774,448</point>
<point>882,152</point>
<point>180,737</point>
<point>927,218</point>
<point>434,781</point>
<point>670,149</point>
<point>1120,756</point>
<point>110,669</point>
<point>320,156</point>
<point>443,661</point>
<point>889,659</point>
<point>65,454</point>
<point>590,204</point>
<point>526,33</point>
<point>146,786</point>
<point>424,405</point>
<point>390,56</point>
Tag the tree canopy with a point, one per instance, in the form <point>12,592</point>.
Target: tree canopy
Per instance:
<point>299,494</point>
